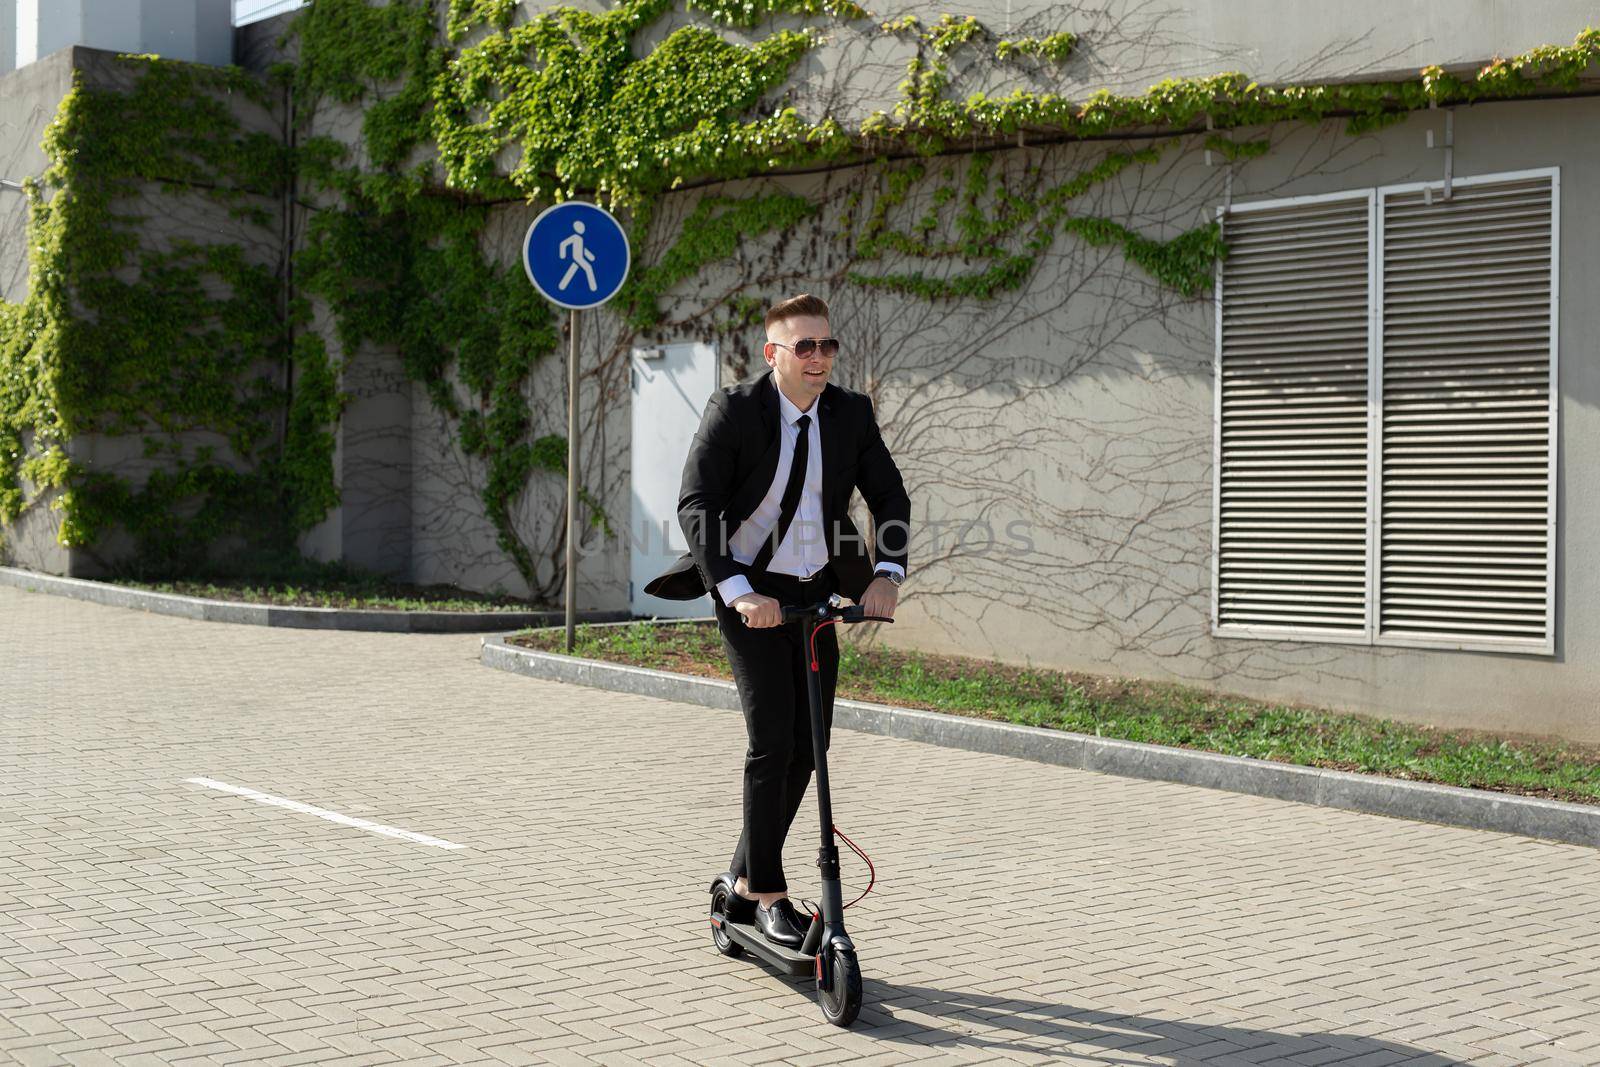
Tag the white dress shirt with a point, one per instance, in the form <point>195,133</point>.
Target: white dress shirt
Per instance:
<point>804,549</point>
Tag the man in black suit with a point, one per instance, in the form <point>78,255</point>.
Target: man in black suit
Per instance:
<point>764,505</point>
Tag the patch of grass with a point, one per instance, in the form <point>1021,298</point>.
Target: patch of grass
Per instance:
<point>1133,710</point>
<point>308,583</point>
<point>688,648</point>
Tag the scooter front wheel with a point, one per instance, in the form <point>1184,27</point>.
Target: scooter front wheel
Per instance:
<point>841,1002</point>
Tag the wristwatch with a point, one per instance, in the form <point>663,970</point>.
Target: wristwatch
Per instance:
<point>892,576</point>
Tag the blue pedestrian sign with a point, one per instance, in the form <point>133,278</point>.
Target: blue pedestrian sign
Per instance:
<point>576,255</point>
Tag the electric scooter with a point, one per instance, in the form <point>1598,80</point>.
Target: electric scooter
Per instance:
<point>827,951</point>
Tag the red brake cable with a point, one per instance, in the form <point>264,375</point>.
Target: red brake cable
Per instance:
<point>872,879</point>
<point>872,872</point>
<point>814,634</point>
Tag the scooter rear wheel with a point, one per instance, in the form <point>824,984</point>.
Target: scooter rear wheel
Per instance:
<point>719,912</point>
<point>841,1003</point>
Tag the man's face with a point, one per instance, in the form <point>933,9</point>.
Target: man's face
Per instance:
<point>801,379</point>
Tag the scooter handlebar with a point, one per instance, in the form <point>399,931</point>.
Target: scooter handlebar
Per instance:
<point>826,610</point>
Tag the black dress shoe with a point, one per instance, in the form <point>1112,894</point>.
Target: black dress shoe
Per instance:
<point>779,924</point>
<point>738,909</point>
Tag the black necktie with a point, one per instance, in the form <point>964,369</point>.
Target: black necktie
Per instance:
<point>791,494</point>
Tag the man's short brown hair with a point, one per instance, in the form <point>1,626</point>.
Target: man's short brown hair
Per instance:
<point>796,306</point>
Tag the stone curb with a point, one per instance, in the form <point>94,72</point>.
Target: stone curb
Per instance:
<point>1551,820</point>
<point>193,607</point>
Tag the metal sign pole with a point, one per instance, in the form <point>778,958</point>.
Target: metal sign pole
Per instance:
<point>572,478</point>
<point>577,256</point>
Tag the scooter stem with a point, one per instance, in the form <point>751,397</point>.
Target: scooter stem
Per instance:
<point>832,924</point>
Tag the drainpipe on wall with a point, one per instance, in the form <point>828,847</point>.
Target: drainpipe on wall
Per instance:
<point>286,273</point>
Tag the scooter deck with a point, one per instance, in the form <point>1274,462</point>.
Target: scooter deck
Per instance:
<point>753,940</point>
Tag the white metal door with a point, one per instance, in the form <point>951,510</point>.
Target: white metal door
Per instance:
<point>671,385</point>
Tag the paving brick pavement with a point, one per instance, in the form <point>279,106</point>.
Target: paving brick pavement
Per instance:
<point>1025,913</point>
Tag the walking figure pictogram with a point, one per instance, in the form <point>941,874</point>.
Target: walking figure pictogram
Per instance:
<point>572,243</point>
<point>582,258</point>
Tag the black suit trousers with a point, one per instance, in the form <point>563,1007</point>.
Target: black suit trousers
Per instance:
<point>769,667</point>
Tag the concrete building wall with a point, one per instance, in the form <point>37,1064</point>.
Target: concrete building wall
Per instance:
<point>1126,46</point>
<point>375,463</point>
<point>1278,42</point>
<point>371,526</point>
<point>171,221</point>
<point>47,26</point>
<point>200,31</point>
<point>28,101</point>
<point>25,28</point>
<point>8,35</point>
<point>196,30</point>
<point>33,94</point>
<point>453,541</point>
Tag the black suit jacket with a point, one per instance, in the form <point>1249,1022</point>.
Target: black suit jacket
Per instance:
<point>730,469</point>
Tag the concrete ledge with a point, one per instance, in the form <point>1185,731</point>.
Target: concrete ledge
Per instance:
<point>1552,820</point>
<point>193,607</point>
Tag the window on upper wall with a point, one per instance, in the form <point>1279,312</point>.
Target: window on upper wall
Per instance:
<point>1386,416</point>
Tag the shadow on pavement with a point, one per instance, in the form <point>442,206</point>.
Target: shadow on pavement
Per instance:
<point>1042,1027</point>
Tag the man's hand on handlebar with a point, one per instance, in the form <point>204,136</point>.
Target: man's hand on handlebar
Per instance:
<point>880,598</point>
<point>759,611</point>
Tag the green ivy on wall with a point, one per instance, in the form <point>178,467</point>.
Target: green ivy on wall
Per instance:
<point>566,90</point>
<point>587,115</point>
<point>413,279</point>
<point>711,233</point>
<point>988,225</point>
<point>1057,47</point>
<point>162,341</point>
<point>398,261</point>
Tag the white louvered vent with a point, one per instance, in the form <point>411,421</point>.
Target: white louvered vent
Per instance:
<point>1465,478</point>
<point>1292,470</point>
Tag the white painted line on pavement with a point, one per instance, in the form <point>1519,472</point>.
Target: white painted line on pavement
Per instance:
<point>324,813</point>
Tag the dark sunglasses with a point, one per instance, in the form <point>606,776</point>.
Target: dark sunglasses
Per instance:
<point>807,346</point>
